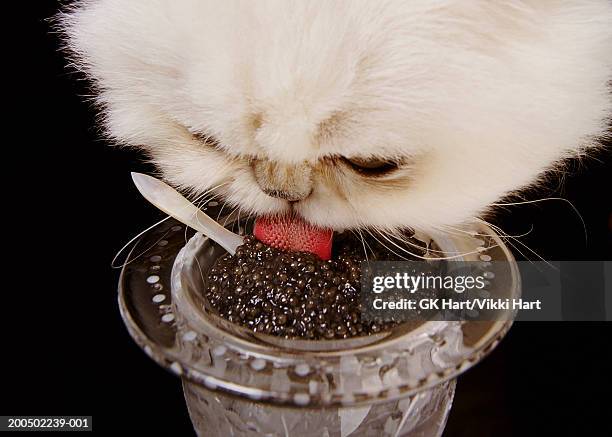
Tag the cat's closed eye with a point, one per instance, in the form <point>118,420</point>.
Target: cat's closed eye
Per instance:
<point>371,166</point>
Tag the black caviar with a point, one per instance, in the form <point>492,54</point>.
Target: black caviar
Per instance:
<point>296,294</point>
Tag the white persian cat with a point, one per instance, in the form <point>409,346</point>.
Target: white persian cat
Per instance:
<point>361,113</point>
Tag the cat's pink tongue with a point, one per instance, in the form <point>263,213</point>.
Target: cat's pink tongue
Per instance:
<point>293,233</point>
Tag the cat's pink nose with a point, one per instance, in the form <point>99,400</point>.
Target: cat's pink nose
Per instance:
<point>289,182</point>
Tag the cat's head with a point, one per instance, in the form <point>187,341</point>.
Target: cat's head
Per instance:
<point>361,113</point>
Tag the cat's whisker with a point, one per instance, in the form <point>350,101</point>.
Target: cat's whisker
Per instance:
<point>237,221</point>
<point>407,241</point>
<point>201,200</point>
<point>204,201</point>
<point>513,246</point>
<point>211,195</point>
<point>383,235</point>
<point>365,252</point>
<point>509,242</point>
<point>507,238</point>
<point>460,255</point>
<point>208,191</point>
<point>226,218</point>
<point>365,240</point>
<point>244,216</point>
<point>229,216</point>
<point>363,243</point>
<point>458,231</point>
<point>454,256</point>
<point>133,239</point>
<point>218,196</point>
<point>220,211</point>
<point>240,214</point>
<point>504,234</point>
<point>448,257</point>
<point>526,202</point>
<point>385,246</point>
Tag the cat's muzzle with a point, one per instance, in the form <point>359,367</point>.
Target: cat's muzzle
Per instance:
<point>283,181</point>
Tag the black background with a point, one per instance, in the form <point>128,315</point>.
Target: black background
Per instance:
<point>65,350</point>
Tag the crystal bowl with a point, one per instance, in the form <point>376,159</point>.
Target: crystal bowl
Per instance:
<point>237,382</point>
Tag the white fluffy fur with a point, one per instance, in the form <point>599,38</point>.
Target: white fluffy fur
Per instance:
<point>483,96</point>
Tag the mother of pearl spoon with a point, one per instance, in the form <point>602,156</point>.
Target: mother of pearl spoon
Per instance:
<point>170,201</point>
